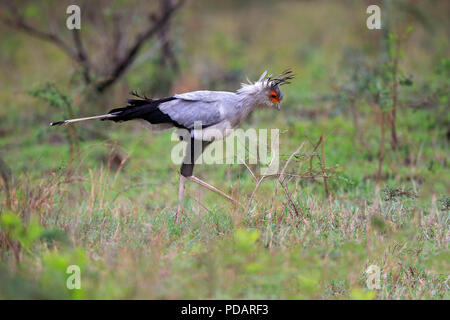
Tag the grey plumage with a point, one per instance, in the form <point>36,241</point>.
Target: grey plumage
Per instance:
<point>204,106</point>
<point>220,109</point>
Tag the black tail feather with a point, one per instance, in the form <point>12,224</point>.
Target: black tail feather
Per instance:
<point>57,123</point>
<point>146,109</point>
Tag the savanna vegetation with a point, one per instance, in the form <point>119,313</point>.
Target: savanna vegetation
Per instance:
<point>364,144</point>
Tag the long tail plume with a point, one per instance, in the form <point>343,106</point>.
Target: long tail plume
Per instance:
<point>101,117</point>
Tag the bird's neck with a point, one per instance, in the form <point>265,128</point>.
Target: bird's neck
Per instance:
<point>251,95</point>
<point>246,105</point>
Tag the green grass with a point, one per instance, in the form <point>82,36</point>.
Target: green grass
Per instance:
<point>118,226</point>
<point>109,206</point>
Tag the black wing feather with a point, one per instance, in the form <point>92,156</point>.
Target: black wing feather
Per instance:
<point>146,109</point>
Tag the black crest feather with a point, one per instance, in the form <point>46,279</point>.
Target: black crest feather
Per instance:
<point>282,78</point>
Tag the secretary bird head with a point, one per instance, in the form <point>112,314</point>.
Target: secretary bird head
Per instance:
<point>267,88</point>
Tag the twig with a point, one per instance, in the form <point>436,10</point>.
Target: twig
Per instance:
<point>381,155</point>
<point>323,165</point>
<point>291,157</point>
<point>248,168</point>
<point>5,173</point>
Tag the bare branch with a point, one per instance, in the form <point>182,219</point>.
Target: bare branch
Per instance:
<point>75,52</point>
<point>17,21</point>
<point>123,58</point>
<point>167,56</point>
<point>129,57</point>
<point>82,57</point>
<point>5,174</point>
<point>50,37</point>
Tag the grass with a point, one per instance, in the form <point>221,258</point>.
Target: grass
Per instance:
<point>108,204</point>
<point>117,224</point>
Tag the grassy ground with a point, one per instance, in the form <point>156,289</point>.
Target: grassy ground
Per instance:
<point>107,202</point>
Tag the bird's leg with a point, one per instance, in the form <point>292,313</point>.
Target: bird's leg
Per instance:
<point>180,198</point>
<point>187,169</point>
<point>212,188</point>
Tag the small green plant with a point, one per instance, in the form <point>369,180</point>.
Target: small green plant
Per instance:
<point>17,236</point>
<point>48,93</point>
<point>13,228</point>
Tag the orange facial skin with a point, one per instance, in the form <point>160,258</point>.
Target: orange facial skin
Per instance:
<point>274,97</point>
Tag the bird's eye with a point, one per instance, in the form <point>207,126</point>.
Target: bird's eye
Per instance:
<point>273,94</point>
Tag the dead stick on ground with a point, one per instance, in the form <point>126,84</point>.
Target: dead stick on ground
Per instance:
<point>323,165</point>
<point>5,173</point>
<point>381,155</point>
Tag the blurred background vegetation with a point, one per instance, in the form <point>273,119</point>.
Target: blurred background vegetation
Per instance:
<point>369,184</point>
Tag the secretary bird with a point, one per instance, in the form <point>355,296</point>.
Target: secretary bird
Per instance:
<point>215,111</point>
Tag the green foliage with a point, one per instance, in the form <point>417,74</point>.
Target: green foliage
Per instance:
<point>116,222</point>
<point>51,95</point>
<point>360,294</point>
<point>60,101</point>
<point>13,228</point>
<point>53,276</point>
<point>245,241</point>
